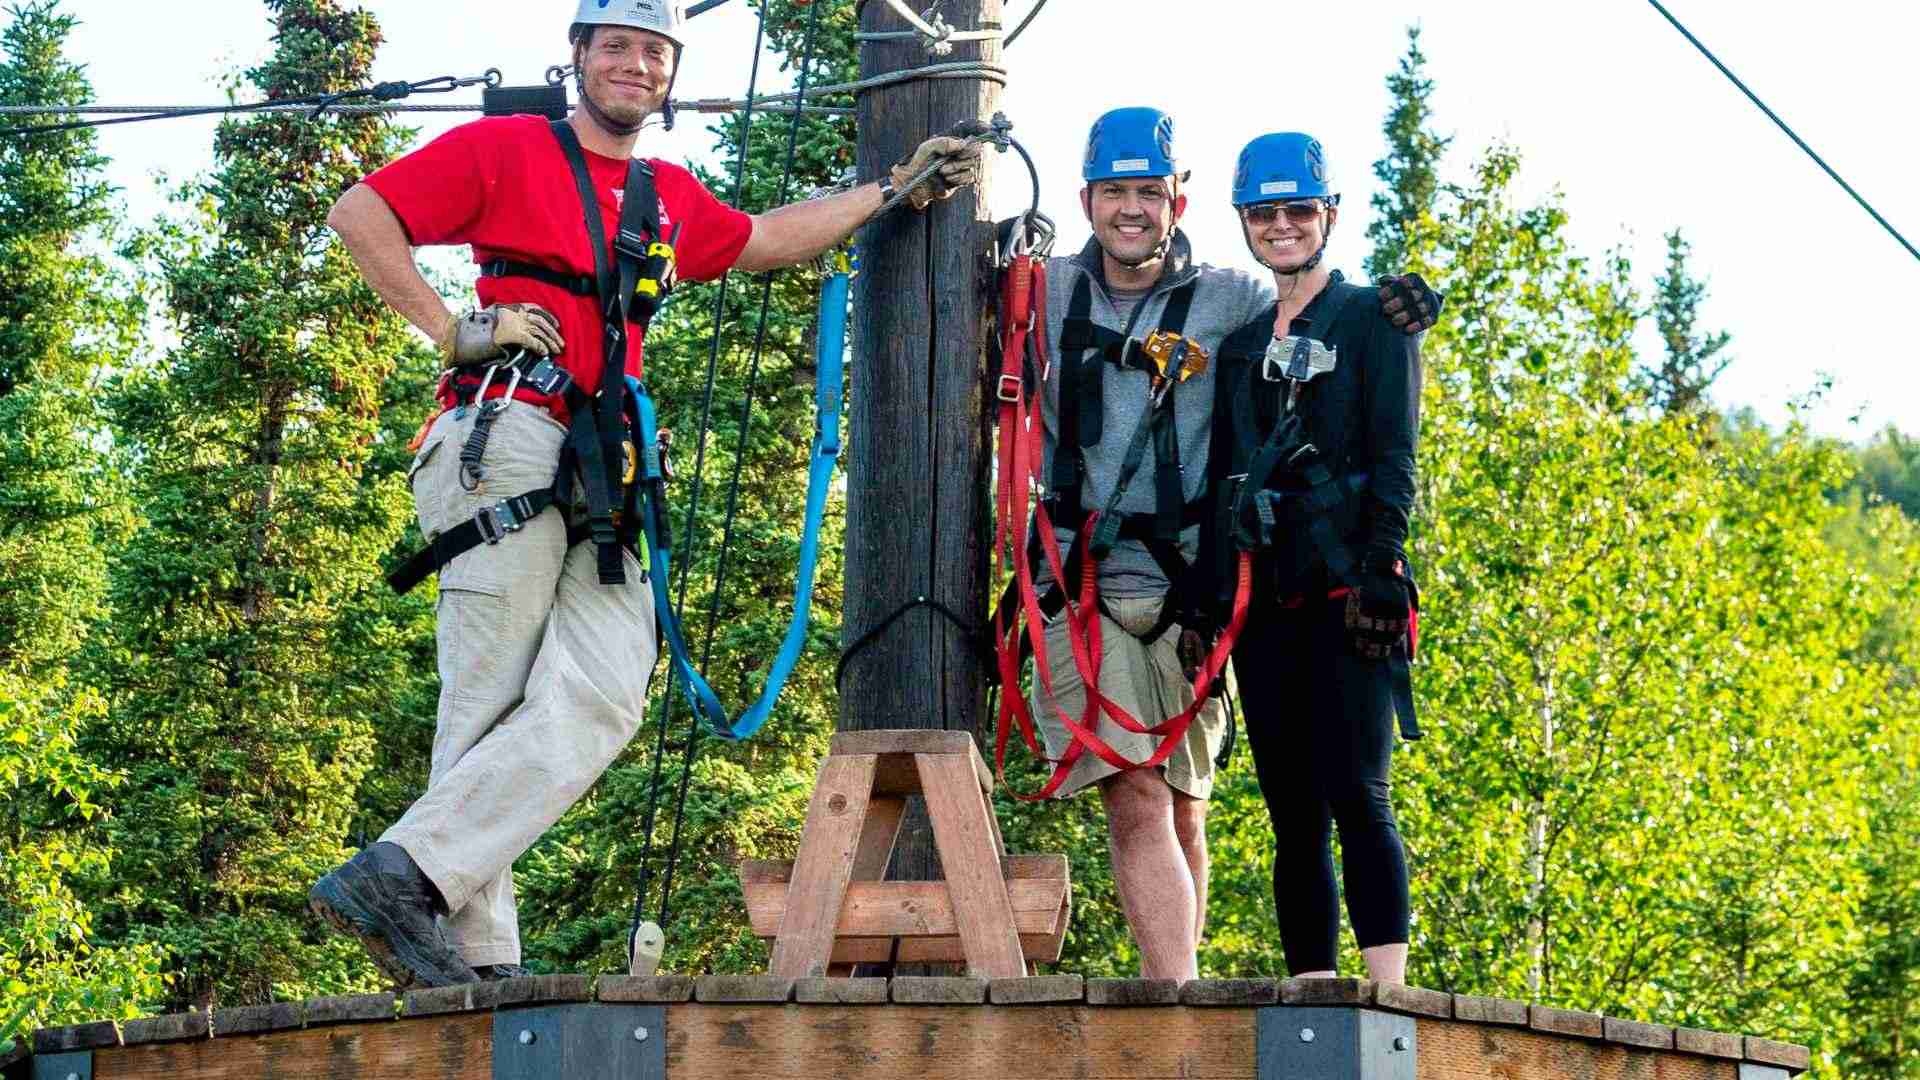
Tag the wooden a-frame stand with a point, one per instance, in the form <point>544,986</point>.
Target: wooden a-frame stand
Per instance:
<point>829,909</point>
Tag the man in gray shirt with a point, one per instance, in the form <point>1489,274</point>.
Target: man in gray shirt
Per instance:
<point>1128,441</point>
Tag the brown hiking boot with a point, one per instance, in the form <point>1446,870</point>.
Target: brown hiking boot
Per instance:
<point>493,972</point>
<point>381,897</point>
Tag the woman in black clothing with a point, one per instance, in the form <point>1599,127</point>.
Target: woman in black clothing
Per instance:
<point>1316,426</point>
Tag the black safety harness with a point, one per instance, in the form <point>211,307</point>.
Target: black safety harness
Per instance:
<point>1280,487</point>
<point>631,279</point>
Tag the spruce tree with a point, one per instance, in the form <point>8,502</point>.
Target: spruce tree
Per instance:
<point>245,664</point>
<point>1692,360</point>
<point>62,319</point>
<point>1411,169</point>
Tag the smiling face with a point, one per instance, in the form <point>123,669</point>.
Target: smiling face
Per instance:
<point>1133,218</point>
<point>1285,235</point>
<point>626,71</point>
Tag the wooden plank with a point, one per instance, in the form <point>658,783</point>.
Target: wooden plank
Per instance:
<point>877,836</point>
<point>959,1042</point>
<point>1452,1050</point>
<point>1012,867</point>
<point>902,741</point>
<point>933,950</point>
<point>908,908</point>
<point>965,841</point>
<point>828,842</point>
<point>453,1047</point>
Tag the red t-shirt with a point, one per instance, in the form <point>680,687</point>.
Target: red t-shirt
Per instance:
<point>502,184</point>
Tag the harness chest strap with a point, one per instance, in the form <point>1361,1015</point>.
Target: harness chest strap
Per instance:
<point>595,436</point>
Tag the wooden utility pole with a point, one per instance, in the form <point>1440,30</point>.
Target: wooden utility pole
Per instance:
<point>918,517</point>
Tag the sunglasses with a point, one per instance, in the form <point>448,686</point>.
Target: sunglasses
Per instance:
<point>1298,211</point>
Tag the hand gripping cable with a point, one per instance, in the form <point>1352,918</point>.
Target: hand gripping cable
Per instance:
<point>830,352</point>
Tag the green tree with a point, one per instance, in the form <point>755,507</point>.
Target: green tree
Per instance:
<point>1410,172</point>
<point>62,319</point>
<point>1693,359</point>
<point>1640,658</point>
<point>1890,469</point>
<point>245,656</point>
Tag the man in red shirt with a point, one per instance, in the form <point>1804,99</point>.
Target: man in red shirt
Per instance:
<point>543,667</point>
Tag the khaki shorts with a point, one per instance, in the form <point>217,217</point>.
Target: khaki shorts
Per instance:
<point>1146,681</point>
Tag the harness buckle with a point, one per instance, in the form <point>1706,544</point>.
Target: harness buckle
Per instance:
<point>502,518</point>
<point>1010,388</point>
<point>548,378</point>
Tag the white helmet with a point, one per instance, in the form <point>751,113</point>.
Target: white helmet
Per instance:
<point>663,17</point>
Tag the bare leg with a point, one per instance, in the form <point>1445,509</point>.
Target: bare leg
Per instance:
<point>1386,963</point>
<point>1150,873</point>
<point>1316,975</point>
<point>1190,825</point>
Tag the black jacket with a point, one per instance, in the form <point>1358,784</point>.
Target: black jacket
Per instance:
<point>1363,416</point>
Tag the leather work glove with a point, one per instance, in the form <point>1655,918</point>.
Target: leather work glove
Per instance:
<point>959,166</point>
<point>1380,604</point>
<point>487,333</point>
<point>1410,302</point>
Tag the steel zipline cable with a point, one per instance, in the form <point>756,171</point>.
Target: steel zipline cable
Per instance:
<point>1782,124</point>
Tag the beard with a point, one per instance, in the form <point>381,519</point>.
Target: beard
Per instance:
<point>619,117</point>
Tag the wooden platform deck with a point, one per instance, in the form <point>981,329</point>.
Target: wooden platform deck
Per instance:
<point>1059,1026</point>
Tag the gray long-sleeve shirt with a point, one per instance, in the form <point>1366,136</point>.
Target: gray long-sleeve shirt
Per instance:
<point>1223,301</point>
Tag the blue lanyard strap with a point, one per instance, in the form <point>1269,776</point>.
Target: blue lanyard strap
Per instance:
<point>830,353</point>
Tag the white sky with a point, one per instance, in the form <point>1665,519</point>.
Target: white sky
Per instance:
<point>1608,104</point>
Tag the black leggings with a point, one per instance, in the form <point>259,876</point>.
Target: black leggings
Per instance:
<point>1320,723</point>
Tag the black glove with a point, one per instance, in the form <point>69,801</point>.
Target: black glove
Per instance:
<point>1410,302</point>
<point>1380,604</point>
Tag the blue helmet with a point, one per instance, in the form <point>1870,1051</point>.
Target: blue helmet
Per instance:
<point>1288,165</point>
<point>1130,143</point>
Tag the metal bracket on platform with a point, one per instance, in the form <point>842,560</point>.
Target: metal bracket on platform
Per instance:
<point>1297,1043</point>
<point>1750,1071</point>
<point>580,1042</point>
<point>63,1066</point>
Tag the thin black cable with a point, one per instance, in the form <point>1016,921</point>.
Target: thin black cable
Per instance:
<point>980,641</point>
<point>739,456</point>
<point>1024,23</point>
<point>1798,141</point>
<point>719,314</point>
<point>387,91</point>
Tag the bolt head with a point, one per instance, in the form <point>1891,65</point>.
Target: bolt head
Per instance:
<point>639,1034</point>
<point>526,1038</point>
<point>1306,1035</point>
<point>1402,1043</point>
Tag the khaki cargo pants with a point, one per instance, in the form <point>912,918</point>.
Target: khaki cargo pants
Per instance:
<point>1145,680</point>
<point>543,675</point>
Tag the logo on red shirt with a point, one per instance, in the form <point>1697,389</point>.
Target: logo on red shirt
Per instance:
<point>620,204</point>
